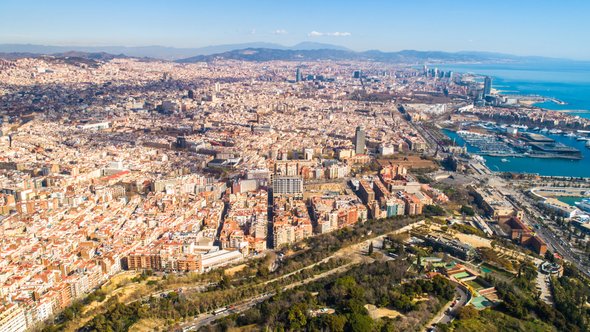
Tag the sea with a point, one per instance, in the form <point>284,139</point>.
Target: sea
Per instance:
<point>566,81</point>
<point>541,166</point>
<point>571,200</point>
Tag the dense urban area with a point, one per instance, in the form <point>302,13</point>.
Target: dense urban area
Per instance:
<point>229,195</point>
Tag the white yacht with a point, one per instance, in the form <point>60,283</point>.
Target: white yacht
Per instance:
<point>584,205</point>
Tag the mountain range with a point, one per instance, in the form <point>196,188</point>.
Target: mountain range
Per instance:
<point>157,52</point>
<point>261,51</point>
<point>407,56</point>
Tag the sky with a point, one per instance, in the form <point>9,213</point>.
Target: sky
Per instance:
<point>522,27</point>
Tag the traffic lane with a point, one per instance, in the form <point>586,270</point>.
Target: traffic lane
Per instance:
<point>206,319</point>
<point>460,300</point>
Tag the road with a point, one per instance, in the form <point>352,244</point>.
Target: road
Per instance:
<point>545,232</point>
<point>462,299</point>
<point>198,288</point>
<point>531,217</point>
<point>208,318</point>
<point>354,252</point>
<point>449,311</point>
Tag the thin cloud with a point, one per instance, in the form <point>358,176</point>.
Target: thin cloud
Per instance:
<point>280,32</point>
<point>329,34</point>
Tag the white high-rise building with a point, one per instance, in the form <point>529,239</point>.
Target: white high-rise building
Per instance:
<point>285,185</point>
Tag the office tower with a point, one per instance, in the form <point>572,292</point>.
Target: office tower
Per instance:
<point>359,140</point>
<point>217,87</point>
<point>298,75</point>
<point>357,74</point>
<point>487,86</point>
<point>191,94</point>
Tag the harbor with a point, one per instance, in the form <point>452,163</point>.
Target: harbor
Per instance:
<point>509,161</point>
<point>507,142</point>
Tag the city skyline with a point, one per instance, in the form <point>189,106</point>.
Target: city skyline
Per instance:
<point>520,29</point>
<point>294,166</point>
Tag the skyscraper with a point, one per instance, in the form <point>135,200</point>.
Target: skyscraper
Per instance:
<point>487,86</point>
<point>298,75</point>
<point>359,140</point>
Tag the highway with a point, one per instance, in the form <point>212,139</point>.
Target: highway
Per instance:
<point>544,231</point>
<point>531,216</point>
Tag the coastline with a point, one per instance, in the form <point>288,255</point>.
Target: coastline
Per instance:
<point>525,164</point>
<point>550,88</point>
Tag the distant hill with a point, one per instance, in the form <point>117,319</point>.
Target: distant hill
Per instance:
<point>261,51</point>
<point>103,56</point>
<point>157,52</point>
<point>408,56</point>
<point>100,56</point>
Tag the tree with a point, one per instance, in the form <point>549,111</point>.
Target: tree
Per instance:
<point>359,323</point>
<point>467,312</point>
<point>433,211</point>
<point>371,249</point>
<point>334,323</point>
<point>467,210</point>
<point>297,319</point>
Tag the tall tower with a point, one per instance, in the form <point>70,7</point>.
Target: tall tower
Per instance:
<point>487,86</point>
<point>359,140</point>
<point>298,75</point>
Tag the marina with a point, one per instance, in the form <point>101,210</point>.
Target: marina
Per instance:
<point>584,205</point>
<point>496,141</point>
<point>526,164</point>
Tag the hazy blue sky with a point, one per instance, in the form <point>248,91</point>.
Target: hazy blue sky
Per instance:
<point>526,27</point>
